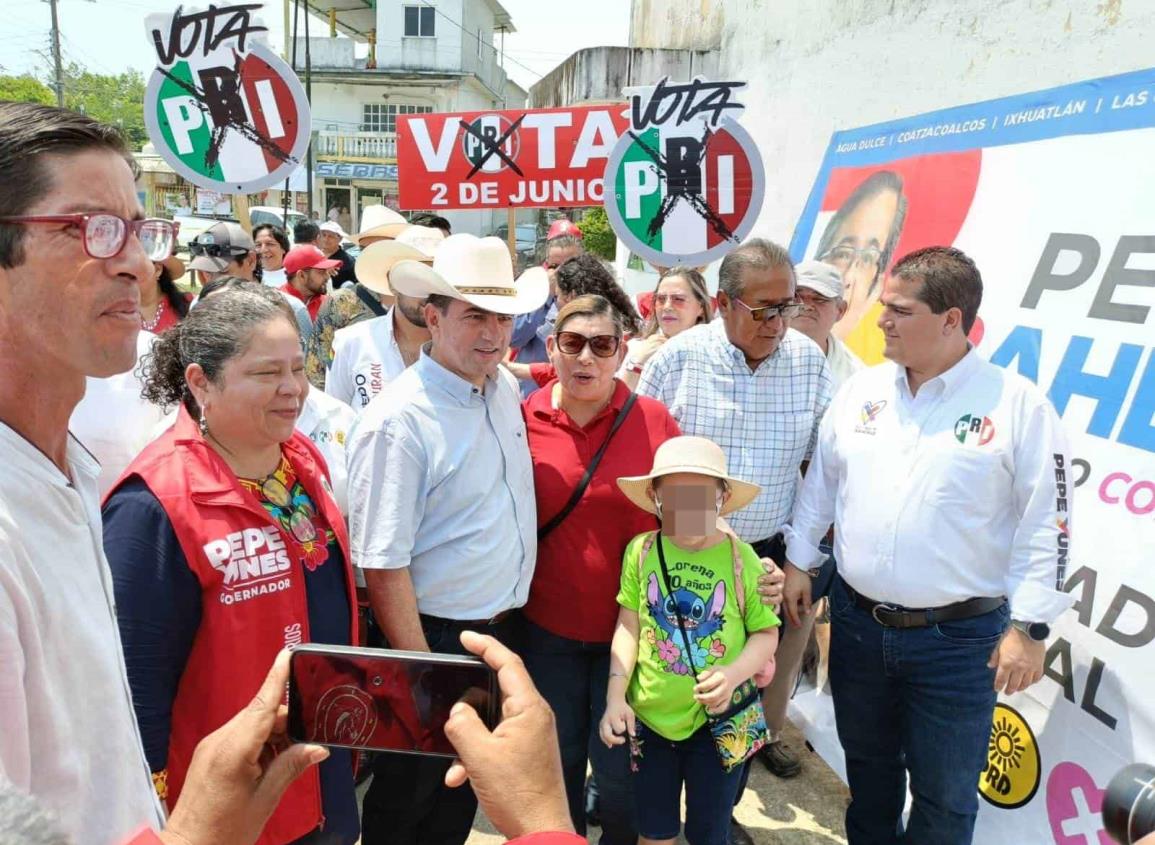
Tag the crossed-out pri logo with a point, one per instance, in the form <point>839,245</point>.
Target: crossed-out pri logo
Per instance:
<point>1075,806</point>
<point>1013,765</point>
<point>870,412</point>
<point>974,428</point>
<point>491,142</point>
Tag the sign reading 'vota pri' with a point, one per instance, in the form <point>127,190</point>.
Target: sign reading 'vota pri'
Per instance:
<point>684,183</point>
<point>221,108</point>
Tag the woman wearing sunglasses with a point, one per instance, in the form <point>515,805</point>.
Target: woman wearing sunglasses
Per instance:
<point>226,545</point>
<point>585,426</point>
<point>680,302</point>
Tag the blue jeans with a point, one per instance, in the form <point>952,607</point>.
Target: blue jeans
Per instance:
<point>918,700</point>
<point>572,676</point>
<point>663,767</point>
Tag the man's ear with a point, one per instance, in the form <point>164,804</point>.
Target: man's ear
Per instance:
<point>843,307</point>
<point>723,302</point>
<point>953,321</point>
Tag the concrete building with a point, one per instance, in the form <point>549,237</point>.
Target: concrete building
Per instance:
<point>375,60</point>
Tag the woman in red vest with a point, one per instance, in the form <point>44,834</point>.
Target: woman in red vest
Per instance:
<point>226,545</point>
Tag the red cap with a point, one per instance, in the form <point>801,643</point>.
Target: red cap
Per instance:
<point>563,227</point>
<point>306,256</point>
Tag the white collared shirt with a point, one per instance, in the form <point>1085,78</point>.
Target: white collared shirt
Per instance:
<point>366,357</point>
<point>441,482</point>
<point>843,363</point>
<point>327,422</point>
<point>68,734</point>
<point>962,490</point>
<point>765,420</point>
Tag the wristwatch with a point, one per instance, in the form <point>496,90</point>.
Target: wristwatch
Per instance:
<point>634,367</point>
<point>1037,631</point>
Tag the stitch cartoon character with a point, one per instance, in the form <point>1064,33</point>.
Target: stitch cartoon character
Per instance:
<point>701,622</point>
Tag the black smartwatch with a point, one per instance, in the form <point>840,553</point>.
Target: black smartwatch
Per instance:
<point>1037,631</point>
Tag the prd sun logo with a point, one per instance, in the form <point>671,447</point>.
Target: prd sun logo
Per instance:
<point>1013,765</point>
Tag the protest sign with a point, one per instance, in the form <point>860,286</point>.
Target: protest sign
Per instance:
<point>221,108</point>
<point>685,182</point>
<point>537,158</point>
<point>1049,193</point>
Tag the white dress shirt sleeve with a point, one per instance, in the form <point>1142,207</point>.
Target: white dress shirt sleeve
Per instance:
<point>814,505</point>
<point>387,492</point>
<point>15,749</point>
<point>338,384</point>
<point>1042,463</point>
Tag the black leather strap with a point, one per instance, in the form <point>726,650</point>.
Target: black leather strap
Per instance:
<point>580,490</point>
<point>892,616</point>
<point>371,302</point>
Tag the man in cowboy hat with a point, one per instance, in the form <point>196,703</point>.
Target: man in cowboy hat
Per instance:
<point>442,513</point>
<point>347,306</point>
<point>530,331</point>
<point>370,354</point>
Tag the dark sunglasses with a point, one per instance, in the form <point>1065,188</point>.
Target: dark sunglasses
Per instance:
<point>602,345</point>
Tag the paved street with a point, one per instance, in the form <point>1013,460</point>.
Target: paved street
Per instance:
<point>806,810</point>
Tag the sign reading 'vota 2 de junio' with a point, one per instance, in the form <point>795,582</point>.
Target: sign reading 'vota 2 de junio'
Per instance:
<point>221,108</point>
<point>684,183</point>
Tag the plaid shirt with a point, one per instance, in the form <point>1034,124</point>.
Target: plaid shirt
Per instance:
<point>765,420</point>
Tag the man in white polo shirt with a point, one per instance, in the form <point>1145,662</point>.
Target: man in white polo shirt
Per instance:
<point>370,354</point>
<point>945,478</point>
<point>442,516</point>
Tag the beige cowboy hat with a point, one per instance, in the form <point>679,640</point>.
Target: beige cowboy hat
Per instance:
<point>689,454</point>
<point>416,243</point>
<point>476,270</point>
<point>380,221</point>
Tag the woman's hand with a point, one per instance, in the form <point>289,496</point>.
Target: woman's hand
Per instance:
<point>714,688</point>
<point>645,348</point>
<point>617,722</point>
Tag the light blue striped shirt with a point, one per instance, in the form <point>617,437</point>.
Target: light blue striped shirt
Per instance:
<point>765,420</point>
<point>441,482</point>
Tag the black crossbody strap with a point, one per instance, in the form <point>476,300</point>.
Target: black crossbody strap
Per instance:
<point>371,302</point>
<point>580,490</point>
<point>674,604</point>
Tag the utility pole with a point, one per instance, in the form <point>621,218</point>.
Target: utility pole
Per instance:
<point>59,85</point>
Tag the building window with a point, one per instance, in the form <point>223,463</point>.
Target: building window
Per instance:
<point>383,117</point>
<point>419,21</point>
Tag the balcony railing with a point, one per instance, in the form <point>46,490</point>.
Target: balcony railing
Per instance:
<point>357,146</point>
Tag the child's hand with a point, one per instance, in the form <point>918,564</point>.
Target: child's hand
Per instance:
<point>617,722</point>
<point>714,689</point>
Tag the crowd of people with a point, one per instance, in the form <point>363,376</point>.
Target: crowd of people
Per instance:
<point>616,504</point>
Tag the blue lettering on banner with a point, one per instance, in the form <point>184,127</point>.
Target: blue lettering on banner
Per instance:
<point>352,170</point>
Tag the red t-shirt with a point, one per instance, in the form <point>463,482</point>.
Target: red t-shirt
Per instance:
<point>579,565</point>
<point>313,304</point>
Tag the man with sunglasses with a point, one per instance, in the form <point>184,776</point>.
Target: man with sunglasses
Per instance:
<point>223,249</point>
<point>753,386</point>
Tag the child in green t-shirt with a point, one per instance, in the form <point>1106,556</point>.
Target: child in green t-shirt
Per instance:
<point>691,630</point>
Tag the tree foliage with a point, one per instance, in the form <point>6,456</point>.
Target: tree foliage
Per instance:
<point>597,236</point>
<point>116,99</point>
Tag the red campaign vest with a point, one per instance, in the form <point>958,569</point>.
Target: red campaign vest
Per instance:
<point>253,600</point>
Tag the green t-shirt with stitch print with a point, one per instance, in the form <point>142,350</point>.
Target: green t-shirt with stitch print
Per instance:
<point>661,691</point>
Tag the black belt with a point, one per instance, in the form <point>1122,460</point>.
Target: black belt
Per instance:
<point>468,623</point>
<point>892,616</point>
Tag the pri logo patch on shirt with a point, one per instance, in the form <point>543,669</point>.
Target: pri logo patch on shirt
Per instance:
<point>869,413</point>
<point>974,428</point>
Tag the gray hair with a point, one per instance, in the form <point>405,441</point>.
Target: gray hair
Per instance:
<point>213,333</point>
<point>23,821</point>
<point>564,242</point>
<point>755,254</point>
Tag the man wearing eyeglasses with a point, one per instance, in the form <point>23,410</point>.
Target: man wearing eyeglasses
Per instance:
<point>752,385</point>
<point>223,249</point>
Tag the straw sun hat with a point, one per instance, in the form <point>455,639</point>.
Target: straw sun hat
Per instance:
<point>689,454</point>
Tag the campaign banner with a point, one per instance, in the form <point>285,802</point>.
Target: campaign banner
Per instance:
<point>1050,194</point>
<point>535,158</point>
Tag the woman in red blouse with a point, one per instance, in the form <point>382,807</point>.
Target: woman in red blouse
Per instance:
<point>161,304</point>
<point>572,605</point>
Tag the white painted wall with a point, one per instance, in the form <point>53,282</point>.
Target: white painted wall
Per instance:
<point>815,66</point>
<point>442,52</point>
